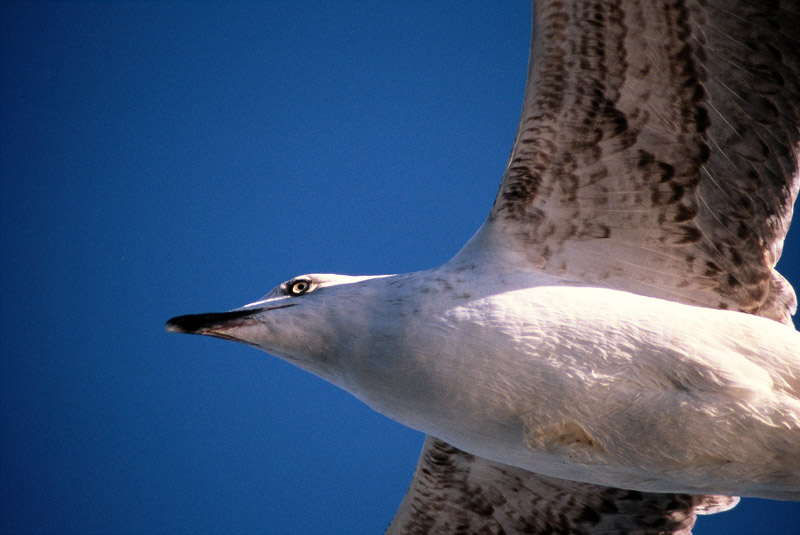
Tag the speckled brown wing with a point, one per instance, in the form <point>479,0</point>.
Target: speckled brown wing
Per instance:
<point>454,492</point>
<point>658,149</point>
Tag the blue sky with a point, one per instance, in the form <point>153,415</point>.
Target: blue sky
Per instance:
<point>168,158</point>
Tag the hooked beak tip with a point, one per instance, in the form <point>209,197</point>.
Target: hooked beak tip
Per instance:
<point>175,325</point>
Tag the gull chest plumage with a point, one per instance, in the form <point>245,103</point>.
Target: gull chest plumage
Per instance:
<point>617,322</point>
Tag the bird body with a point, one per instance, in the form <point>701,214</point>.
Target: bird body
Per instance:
<point>617,322</point>
<point>554,376</point>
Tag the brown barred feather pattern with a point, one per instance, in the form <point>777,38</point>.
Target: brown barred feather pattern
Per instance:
<point>658,149</point>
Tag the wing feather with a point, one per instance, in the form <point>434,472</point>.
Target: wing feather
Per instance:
<point>455,492</point>
<point>659,135</point>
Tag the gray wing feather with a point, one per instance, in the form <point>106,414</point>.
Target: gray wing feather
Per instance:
<point>455,492</point>
<point>658,149</point>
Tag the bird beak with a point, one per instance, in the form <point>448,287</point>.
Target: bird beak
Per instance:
<point>218,323</point>
<point>205,323</point>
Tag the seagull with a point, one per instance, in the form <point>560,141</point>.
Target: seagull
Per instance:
<point>613,350</point>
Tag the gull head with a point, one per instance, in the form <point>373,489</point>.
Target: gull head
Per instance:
<point>300,320</point>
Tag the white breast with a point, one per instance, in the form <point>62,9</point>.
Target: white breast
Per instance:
<point>588,383</point>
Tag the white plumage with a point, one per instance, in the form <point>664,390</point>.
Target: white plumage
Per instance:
<point>602,327</point>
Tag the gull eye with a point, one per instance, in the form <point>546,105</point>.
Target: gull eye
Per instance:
<point>298,287</point>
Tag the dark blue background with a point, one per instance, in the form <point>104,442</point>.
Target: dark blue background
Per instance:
<point>167,158</point>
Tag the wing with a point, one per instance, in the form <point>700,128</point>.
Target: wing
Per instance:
<point>657,153</point>
<point>455,492</point>
<point>658,149</point>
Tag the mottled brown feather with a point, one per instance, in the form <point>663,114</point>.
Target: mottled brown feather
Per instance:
<point>658,149</point>
<point>456,492</point>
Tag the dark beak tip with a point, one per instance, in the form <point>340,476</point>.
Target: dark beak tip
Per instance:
<point>179,324</point>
